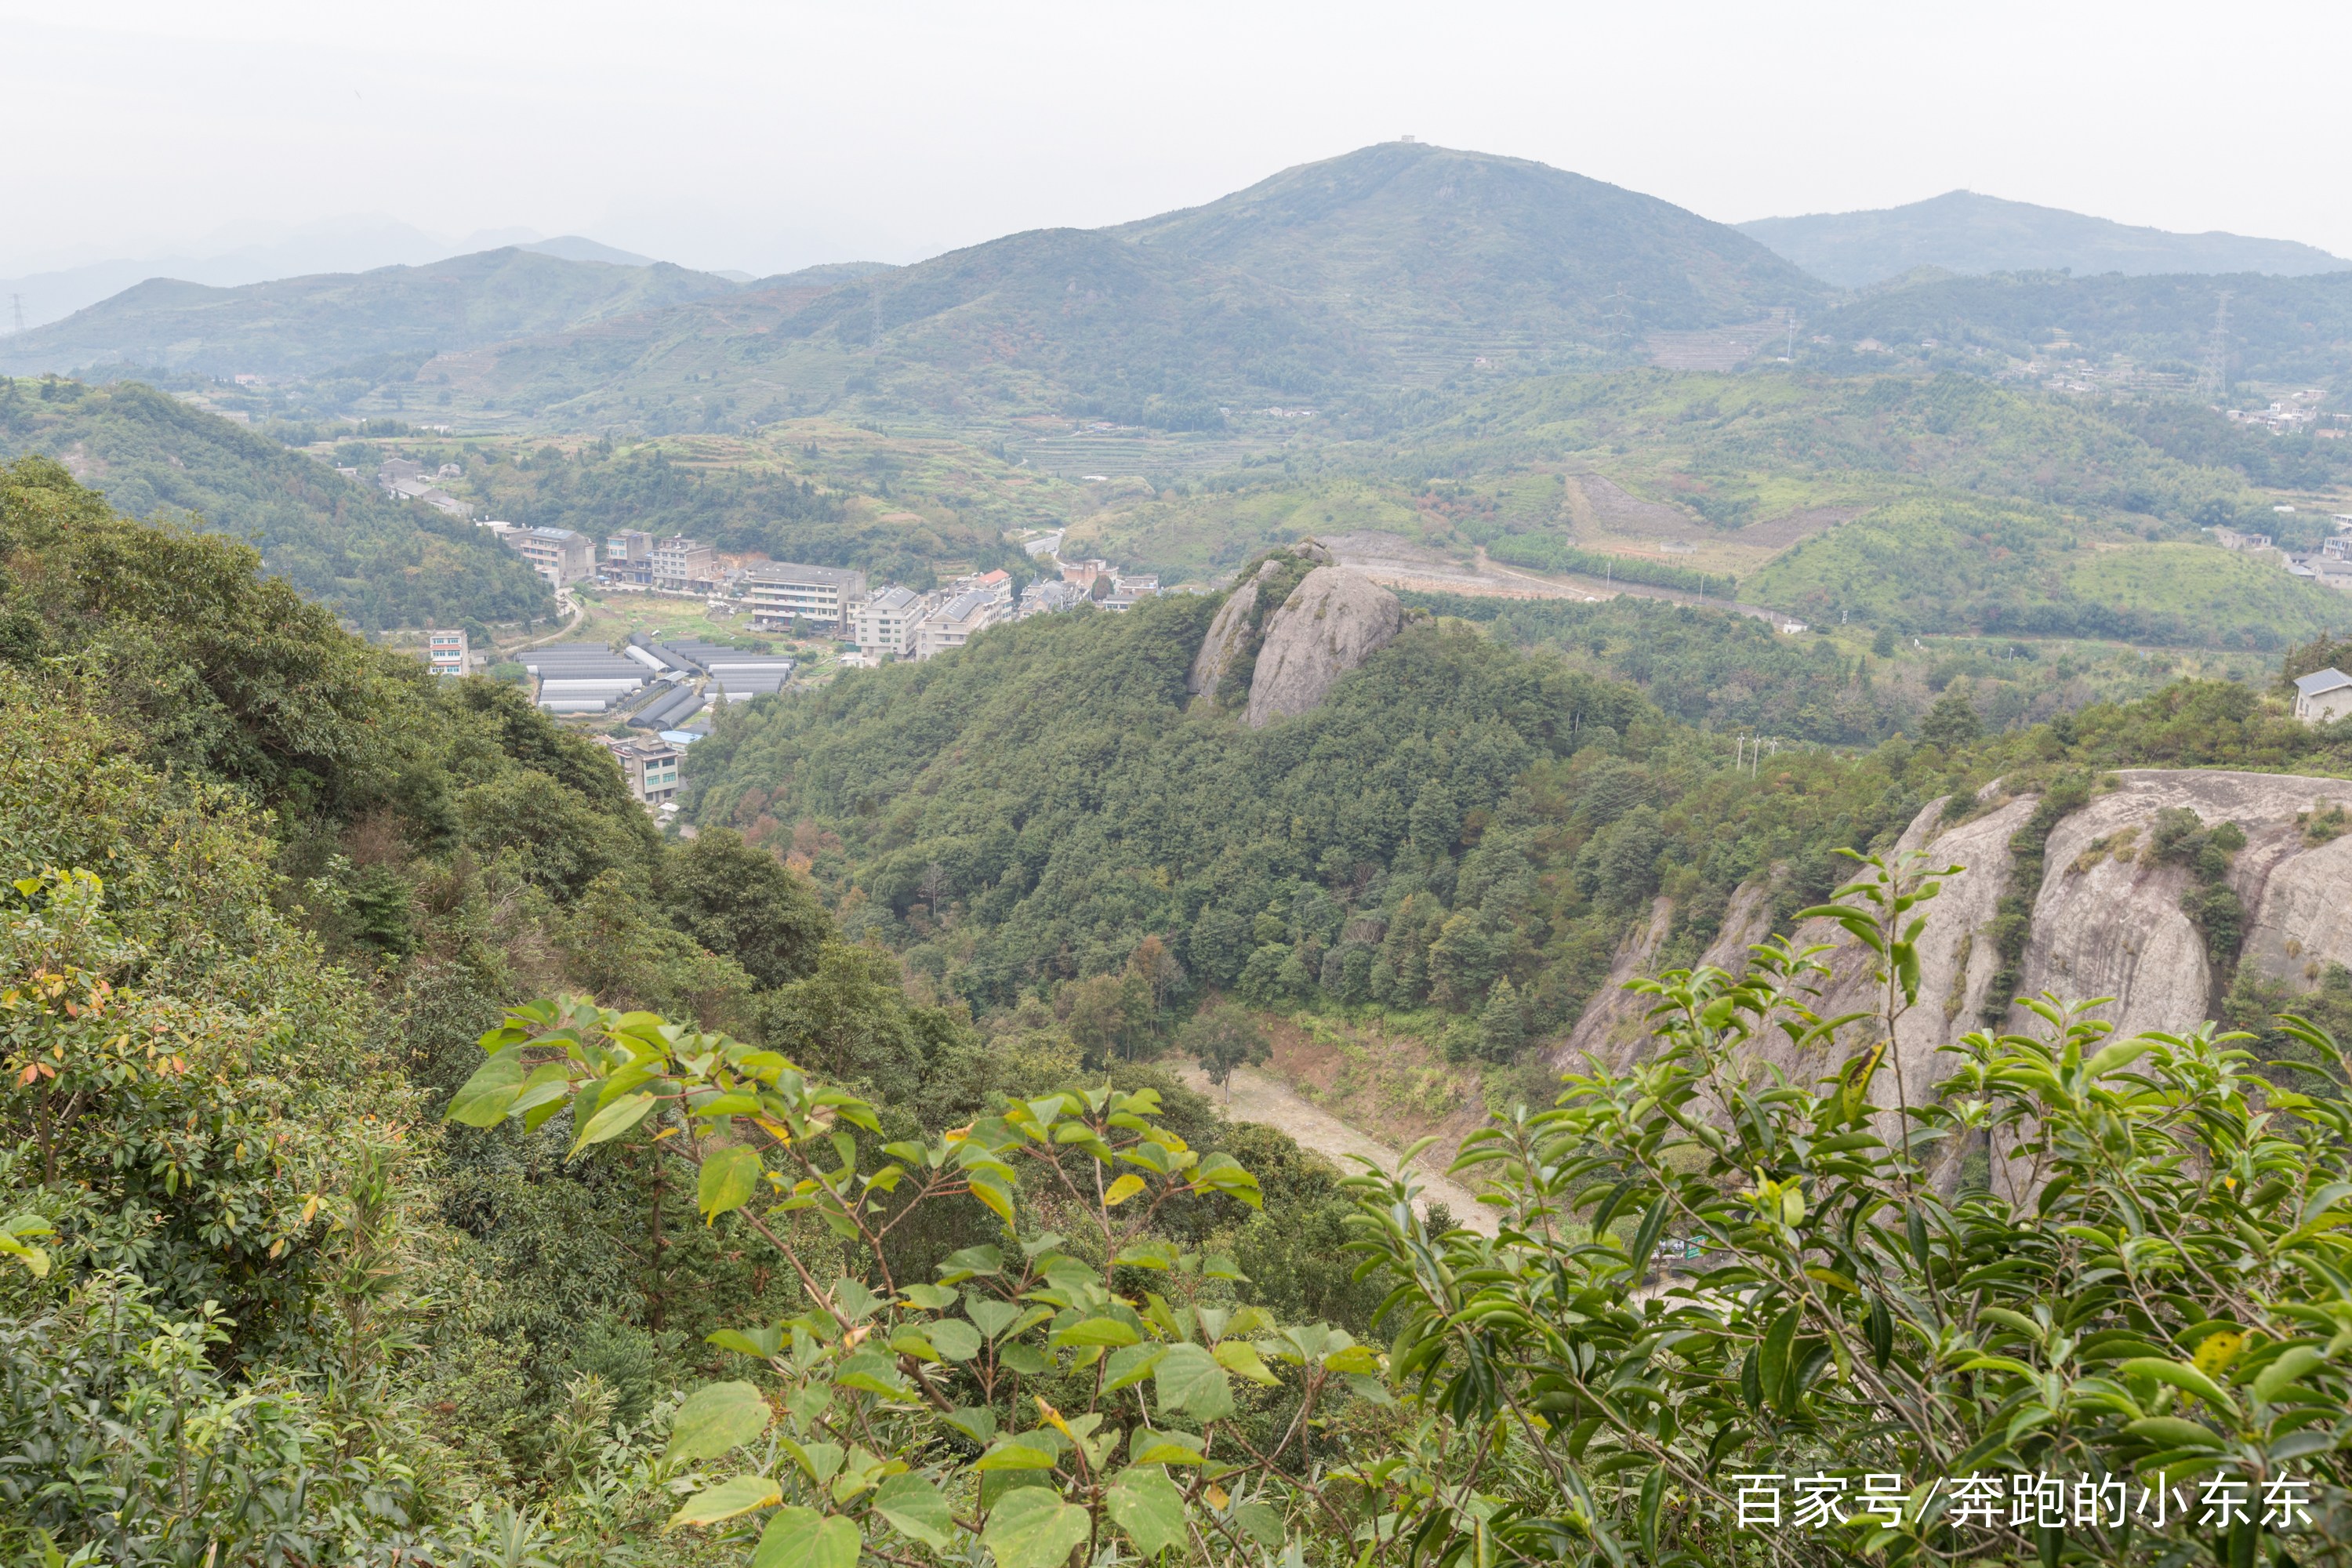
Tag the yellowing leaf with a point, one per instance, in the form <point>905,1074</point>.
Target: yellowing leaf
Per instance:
<point>1126,1187</point>
<point>725,1501</point>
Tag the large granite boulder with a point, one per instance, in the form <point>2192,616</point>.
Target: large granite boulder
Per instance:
<point>1229,636</point>
<point>1333,621</point>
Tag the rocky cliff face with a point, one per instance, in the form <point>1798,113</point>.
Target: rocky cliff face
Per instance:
<point>2107,922</point>
<point>1228,636</point>
<point>1333,621</point>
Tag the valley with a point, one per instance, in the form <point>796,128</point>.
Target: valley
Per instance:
<point>1813,803</point>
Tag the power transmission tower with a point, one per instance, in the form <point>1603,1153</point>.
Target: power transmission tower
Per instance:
<point>1617,331</point>
<point>2215,382</point>
<point>16,304</point>
<point>874,290</point>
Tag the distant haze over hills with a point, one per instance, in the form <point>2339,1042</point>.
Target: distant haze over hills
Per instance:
<point>304,326</point>
<point>1960,231</point>
<point>348,245</point>
<point>1399,262</point>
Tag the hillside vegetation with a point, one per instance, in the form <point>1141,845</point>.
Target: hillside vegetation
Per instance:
<point>335,1231</point>
<point>373,561</point>
<point>1961,231</point>
<point>2295,330</point>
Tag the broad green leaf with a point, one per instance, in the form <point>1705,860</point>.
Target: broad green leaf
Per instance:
<point>716,1417</point>
<point>1189,1378</point>
<point>993,1315</point>
<point>1098,1331</point>
<point>757,1342</point>
<point>872,1372</point>
<point>485,1097</point>
<point>1146,1504</point>
<point>1130,1365</point>
<point>1023,1359</point>
<point>614,1120</point>
<point>1031,1528</point>
<point>725,1501</point>
<point>730,1177</point>
<point>917,1509</point>
<point>1240,1357</point>
<point>1263,1523</point>
<point>953,1338</point>
<point>1017,1452</point>
<point>803,1537</point>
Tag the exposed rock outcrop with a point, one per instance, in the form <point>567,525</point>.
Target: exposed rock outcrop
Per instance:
<point>2108,922</point>
<point>1332,622</point>
<point>1228,636</point>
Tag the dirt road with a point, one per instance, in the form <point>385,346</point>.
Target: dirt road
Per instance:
<point>1258,1098</point>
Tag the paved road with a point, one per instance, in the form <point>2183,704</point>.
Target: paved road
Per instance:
<point>1258,1098</point>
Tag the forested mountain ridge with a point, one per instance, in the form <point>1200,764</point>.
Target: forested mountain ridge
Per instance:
<point>1962,231</point>
<point>371,561</point>
<point>1396,264</point>
<point>310,326</point>
<point>2293,331</point>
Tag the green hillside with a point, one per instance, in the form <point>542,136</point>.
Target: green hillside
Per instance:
<point>1335,282</point>
<point>2289,331</point>
<point>1944,563</point>
<point>1961,231</point>
<point>313,326</point>
<point>374,563</point>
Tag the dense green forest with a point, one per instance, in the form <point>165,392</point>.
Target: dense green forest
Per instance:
<point>373,561</point>
<point>1459,823</point>
<point>322,1241</point>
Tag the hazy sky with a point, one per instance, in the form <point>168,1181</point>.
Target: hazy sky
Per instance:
<point>764,136</point>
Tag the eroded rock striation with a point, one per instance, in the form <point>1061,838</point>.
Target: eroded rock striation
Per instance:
<point>1229,635</point>
<point>1333,621</point>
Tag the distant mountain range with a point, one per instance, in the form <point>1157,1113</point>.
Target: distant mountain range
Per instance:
<point>1400,263</point>
<point>355,244</point>
<point>1963,232</point>
<point>312,326</point>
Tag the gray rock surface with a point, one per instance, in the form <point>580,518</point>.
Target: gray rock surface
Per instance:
<point>1333,621</point>
<point>2110,925</point>
<point>1227,635</point>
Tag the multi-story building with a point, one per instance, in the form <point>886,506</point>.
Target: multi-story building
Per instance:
<point>558,554</point>
<point>629,558</point>
<point>885,623</point>
<point>649,766</point>
<point>953,623</point>
<point>683,565</point>
<point>446,652</point>
<point>1085,573</point>
<point>1050,598</point>
<point>784,591</point>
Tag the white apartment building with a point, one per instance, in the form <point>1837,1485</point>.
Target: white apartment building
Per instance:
<point>446,653</point>
<point>885,623</point>
<point>953,623</point>
<point>783,590</point>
